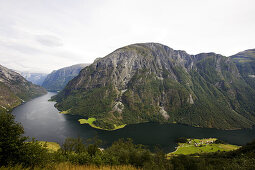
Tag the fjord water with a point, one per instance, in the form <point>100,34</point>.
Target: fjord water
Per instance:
<point>42,120</point>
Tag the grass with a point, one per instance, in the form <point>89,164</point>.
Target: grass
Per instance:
<point>194,146</point>
<point>51,146</point>
<point>87,121</point>
<point>119,127</point>
<point>65,111</point>
<point>91,120</point>
<point>69,166</point>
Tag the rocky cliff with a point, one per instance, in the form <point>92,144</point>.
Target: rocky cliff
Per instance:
<point>152,82</point>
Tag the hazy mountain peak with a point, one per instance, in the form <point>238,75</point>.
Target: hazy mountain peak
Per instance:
<point>57,79</point>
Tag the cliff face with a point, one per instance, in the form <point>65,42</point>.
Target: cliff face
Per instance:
<point>14,89</point>
<point>152,82</point>
<point>58,79</point>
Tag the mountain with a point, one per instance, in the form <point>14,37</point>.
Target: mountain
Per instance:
<point>151,82</point>
<point>15,89</point>
<point>58,79</point>
<point>245,62</point>
<point>35,78</point>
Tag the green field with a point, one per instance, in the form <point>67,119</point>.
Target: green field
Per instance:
<point>91,120</point>
<point>194,146</point>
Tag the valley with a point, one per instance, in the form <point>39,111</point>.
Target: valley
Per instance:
<point>177,108</point>
<point>127,85</point>
<point>43,121</point>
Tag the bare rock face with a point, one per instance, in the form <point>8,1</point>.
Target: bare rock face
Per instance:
<point>152,82</point>
<point>15,89</point>
<point>121,65</point>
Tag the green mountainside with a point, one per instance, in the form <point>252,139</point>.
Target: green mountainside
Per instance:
<point>57,79</point>
<point>15,89</point>
<point>245,62</point>
<point>152,82</point>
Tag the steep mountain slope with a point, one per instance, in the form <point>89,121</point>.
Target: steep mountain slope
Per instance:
<point>245,62</point>
<point>152,82</point>
<point>35,78</point>
<point>14,89</point>
<point>58,79</point>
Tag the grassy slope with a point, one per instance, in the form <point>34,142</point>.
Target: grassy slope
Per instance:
<point>91,120</point>
<point>51,146</point>
<point>202,147</point>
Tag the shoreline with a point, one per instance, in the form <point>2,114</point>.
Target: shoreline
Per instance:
<point>91,124</point>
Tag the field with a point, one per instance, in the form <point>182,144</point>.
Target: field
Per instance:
<point>91,120</point>
<point>194,146</point>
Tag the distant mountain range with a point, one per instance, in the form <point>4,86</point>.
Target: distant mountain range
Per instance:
<point>35,78</point>
<point>15,89</point>
<point>152,82</point>
<point>57,79</point>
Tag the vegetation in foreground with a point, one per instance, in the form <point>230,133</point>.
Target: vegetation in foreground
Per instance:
<point>91,121</point>
<point>51,146</point>
<point>198,146</point>
<point>69,166</point>
<point>15,153</point>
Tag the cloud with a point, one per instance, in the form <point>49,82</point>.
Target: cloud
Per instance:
<point>52,34</point>
<point>49,40</point>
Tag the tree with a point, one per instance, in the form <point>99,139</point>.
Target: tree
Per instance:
<point>11,139</point>
<point>182,140</point>
<point>75,145</point>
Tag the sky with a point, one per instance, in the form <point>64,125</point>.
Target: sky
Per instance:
<point>44,35</point>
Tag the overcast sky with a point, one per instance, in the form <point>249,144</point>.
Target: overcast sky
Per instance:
<point>43,35</point>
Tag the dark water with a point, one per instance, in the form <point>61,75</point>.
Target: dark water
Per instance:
<point>42,120</point>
